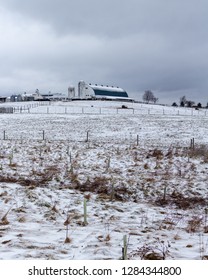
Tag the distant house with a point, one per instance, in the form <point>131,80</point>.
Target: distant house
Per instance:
<point>25,97</point>
<point>54,96</point>
<point>31,96</point>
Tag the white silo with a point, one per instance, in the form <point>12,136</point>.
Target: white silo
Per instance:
<point>81,89</point>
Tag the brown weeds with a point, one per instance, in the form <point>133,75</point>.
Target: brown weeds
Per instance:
<point>194,224</point>
<point>182,202</point>
<point>199,151</point>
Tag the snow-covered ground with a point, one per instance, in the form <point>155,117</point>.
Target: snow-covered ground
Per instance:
<point>133,167</point>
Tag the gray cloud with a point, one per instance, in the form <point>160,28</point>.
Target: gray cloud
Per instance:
<point>137,44</point>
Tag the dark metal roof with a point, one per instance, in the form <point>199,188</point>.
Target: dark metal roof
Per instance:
<point>109,91</point>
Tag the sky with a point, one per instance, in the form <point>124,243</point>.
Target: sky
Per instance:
<point>157,45</point>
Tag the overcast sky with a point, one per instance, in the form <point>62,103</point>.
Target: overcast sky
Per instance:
<point>158,45</point>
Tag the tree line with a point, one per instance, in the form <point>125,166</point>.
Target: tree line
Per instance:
<point>149,96</point>
<point>183,102</point>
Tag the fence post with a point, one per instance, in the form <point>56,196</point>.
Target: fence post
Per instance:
<point>137,140</point>
<point>85,211</point>
<point>192,144</point>
<point>43,134</point>
<point>87,136</point>
<point>124,249</point>
<point>4,135</point>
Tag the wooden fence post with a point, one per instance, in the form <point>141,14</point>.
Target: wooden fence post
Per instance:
<point>124,249</point>
<point>137,140</point>
<point>192,144</point>
<point>87,136</point>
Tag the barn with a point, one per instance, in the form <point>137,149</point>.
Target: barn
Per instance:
<point>100,91</point>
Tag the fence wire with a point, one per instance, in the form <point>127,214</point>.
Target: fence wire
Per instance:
<point>44,137</point>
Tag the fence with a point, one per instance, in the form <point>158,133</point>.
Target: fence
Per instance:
<point>42,108</point>
<point>44,136</point>
<point>6,110</point>
<point>23,107</point>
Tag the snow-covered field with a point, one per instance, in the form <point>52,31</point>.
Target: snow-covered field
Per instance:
<point>133,167</point>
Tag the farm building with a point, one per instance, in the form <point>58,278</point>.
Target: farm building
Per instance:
<point>2,99</point>
<point>99,91</point>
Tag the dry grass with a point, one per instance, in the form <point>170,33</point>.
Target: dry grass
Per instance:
<point>4,220</point>
<point>68,240</point>
<point>105,189</point>
<point>194,224</point>
<point>182,202</point>
<point>156,153</point>
<point>199,151</point>
<point>8,179</point>
<point>147,252</point>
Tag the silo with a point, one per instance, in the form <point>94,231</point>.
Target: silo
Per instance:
<point>81,89</point>
<point>71,92</point>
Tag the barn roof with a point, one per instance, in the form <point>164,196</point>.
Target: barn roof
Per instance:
<point>108,90</point>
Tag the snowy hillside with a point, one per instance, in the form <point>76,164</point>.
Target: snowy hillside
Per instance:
<point>141,170</point>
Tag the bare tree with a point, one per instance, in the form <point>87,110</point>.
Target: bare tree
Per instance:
<point>149,96</point>
<point>183,101</point>
<point>155,99</point>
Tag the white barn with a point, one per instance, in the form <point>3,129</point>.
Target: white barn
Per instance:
<point>99,91</point>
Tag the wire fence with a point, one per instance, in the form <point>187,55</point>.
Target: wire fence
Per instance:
<point>43,109</point>
<point>49,107</point>
<point>88,137</point>
<point>22,107</point>
<point>32,132</point>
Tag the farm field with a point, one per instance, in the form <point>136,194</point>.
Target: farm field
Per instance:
<point>78,178</point>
